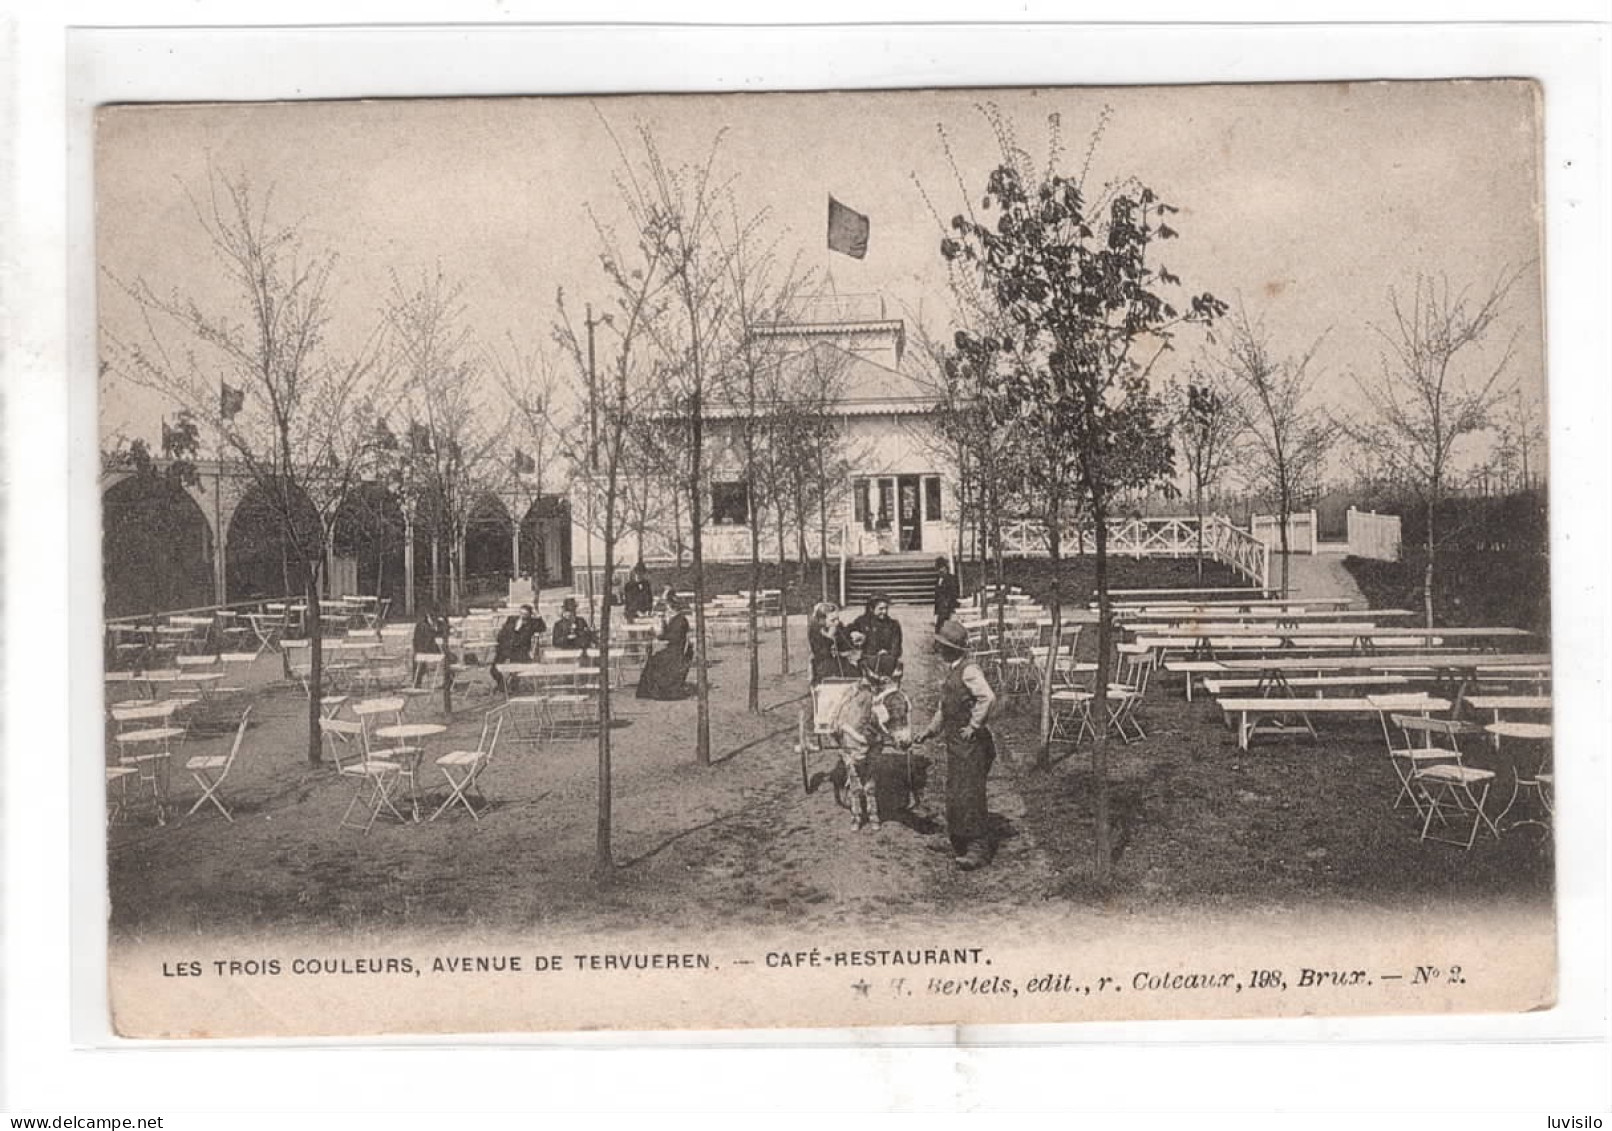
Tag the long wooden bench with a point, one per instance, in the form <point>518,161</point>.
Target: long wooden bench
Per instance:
<point>1219,686</point>
<point>1192,669</point>
<point>1268,716</point>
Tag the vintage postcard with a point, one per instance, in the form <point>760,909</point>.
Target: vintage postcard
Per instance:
<point>951,557</point>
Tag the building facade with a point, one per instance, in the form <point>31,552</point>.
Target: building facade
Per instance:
<point>889,487</point>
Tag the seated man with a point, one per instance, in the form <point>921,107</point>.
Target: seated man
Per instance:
<point>571,631</point>
<point>515,642</point>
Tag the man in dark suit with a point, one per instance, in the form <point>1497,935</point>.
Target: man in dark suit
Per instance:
<point>946,598</point>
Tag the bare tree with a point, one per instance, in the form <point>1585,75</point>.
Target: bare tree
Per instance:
<point>1209,424</point>
<point>455,456</point>
<point>249,358</point>
<point>760,289</point>
<point>531,387</point>
<point>1434,386</point>
<point>1288,436</point>
<point>676,213</point>
<point>637,289</point>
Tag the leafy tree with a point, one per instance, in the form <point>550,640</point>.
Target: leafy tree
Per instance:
<point>1083,319</point>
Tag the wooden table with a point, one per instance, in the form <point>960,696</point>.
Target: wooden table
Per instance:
<point>419,732</point>
<point>1443,666</point>
<point>1293,618</point>
<point>1360,638</point>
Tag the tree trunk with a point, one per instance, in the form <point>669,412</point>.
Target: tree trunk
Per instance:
<point>783,598</point>
<point>1099,706</point>
<point>753,640</point>
<point>316,663</point>
<point>1001,567</point>
<point>1198,504</point>
<point>702,684</point>
<point>1427,569</point>
<point>1055,546</point>
<point>822,532</point>
<point>604,867</point>
<point>1282,521</point>
<point>436,570</point>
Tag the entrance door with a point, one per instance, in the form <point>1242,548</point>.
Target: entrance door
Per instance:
<point>911,524</point>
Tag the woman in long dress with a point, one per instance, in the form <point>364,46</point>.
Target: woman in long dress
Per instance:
<point>665,673</point>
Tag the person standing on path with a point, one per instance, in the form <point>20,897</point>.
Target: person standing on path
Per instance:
<point>966,700</point>
<point>946,595</point>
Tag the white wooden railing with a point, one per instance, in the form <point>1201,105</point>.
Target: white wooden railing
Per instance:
<point>1173,537</point>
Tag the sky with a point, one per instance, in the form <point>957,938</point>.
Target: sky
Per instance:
<point>1303,202</point>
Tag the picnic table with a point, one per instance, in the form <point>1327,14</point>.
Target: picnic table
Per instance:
<point>1278,617</point>
<point>1207,609</point>
<point>1457,668</point>
<point>1271,715</point>
<point>1359,638</point>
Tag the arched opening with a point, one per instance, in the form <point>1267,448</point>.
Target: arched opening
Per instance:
<point>260,560</point>
<point>370,532</point>
<point>546,541</point>
<point>489,550</point>
<point>156,548</point>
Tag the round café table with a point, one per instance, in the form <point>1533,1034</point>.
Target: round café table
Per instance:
<point>1541,780</point>
<point>410,732</point>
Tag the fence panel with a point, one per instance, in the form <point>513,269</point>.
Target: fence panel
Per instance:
<point>1373,535</point>
<point>1300,532</point>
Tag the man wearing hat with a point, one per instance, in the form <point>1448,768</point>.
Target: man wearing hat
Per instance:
<point>946,596</point>
<point>570,630</point>
<point>966,700</point>
<point>514,644</point>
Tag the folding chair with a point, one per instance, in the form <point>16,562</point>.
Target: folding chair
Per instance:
<point>404,755</point>
<point>469,765</point>
<point>117,806</point>
<point>147,750</point>
<point>1019,669</point>
<point>267,629</point>
<point>1447,784</point>
<point>1071,714</point>
<point>1124,695</point>
<point>374,780</point>
<point>1405,757</point>
<point>234,665</point>
<point>210,770</point>
<point>427,676</point>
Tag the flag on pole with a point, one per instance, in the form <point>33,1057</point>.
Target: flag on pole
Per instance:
<point>524,464</point>
<point>847,230</point>
<point>230,400</point>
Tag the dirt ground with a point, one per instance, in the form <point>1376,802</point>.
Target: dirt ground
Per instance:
<point>1199,828</point>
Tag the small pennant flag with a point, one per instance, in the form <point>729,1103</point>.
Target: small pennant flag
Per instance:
<point>230,400</point>
<point>524,464</point>
<point>847,230</point>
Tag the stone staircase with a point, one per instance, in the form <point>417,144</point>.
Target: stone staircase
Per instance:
<point>908,579</point>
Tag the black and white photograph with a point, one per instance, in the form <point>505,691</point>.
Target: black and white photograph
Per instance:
<point>840,558</point>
